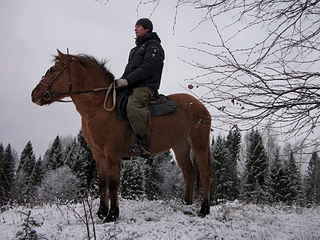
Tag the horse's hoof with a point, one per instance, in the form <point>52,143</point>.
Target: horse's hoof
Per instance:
<point>112,216</point>
<point>109,219</point>
<point>102,214</point>
<point>188,202</point>
<point>205,209</point>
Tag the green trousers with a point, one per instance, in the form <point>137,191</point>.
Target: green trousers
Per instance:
<point>137,109</point>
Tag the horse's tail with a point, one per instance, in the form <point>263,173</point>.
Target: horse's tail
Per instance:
<point>195,169</point>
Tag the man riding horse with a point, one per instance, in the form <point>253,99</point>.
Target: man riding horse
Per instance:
<point>85,79</point>
<point>142,76</point>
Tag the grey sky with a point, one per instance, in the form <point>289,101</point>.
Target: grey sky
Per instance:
<point>32,30</point>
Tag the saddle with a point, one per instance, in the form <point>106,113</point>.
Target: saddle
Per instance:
<point>158,106</point>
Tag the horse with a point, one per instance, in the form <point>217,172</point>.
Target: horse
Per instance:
<point>91,87</point>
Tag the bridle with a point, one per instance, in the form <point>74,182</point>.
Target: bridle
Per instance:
<point>47,95</point>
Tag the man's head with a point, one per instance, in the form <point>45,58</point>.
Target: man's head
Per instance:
<point>145,23</point>
<point>142,27</point>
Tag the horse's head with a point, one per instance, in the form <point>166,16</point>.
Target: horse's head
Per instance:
<point>56,82</point>
<point>71,75</point>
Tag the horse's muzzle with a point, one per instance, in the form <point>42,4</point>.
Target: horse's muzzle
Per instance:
<point>35,99</point>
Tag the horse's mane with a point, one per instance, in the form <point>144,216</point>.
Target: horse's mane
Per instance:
<point>90,60</point>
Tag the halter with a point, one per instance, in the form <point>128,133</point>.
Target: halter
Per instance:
<point>47,95</point>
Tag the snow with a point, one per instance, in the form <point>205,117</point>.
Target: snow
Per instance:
<point>143,219</point>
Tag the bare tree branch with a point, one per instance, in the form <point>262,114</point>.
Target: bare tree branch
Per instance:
<point>263,68</point>
<point>273,81</point>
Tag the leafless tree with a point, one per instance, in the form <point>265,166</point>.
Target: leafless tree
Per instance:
<point>272,81</point>
<point>263,67</point>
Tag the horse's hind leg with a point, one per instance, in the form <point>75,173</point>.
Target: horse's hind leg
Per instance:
<point>200,147</point>
<point>204,166</point>
<point>182,153</point>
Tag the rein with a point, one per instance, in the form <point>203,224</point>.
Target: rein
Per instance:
<point>47,95</point>
<point>108,89</point>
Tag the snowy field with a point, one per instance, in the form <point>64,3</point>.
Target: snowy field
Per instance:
<point>168,220</point>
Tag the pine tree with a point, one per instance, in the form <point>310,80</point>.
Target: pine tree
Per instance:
<point>234,146</point>
<point>89,165</point>
<point>132,180</point>
<point>25,188</point>
<point>278,179</point>
<point>171,185</point>
<point>54,155</point>
<point>7,174</point>
<point>37,173</point>
<point>27,230</point>
<point>222,166</point>
<point>158,177</point>
<point>256,175</point>
<point>294,193</point>
<point>3,178</point>
<point>154,176</point>
<point>313,180</point>
<point>71,155</point>
<point>79,158</point>
<point>27,159</point>
<point>1,151</point>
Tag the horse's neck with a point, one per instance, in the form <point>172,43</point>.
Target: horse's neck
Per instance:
<point>91,104</point>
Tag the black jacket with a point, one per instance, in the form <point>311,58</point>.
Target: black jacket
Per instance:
<point>145,64</point>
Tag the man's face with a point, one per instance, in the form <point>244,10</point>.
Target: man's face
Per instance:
<point>140,31</point>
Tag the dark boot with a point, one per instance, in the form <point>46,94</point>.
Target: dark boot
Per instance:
<point>144,140</point>
<point>142,147</point>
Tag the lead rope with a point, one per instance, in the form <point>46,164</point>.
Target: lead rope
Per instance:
<point>114,97</point>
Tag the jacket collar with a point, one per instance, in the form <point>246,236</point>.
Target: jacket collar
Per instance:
<point>149,36</point>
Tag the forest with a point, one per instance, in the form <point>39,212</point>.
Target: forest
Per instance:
<point>254,168</point>
<point>269,81</point>
<point>259,68</point>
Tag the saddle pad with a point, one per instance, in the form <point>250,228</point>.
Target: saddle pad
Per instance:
<point>161,105</point>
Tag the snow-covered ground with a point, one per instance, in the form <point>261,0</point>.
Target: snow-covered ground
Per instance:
<point>169,220</point>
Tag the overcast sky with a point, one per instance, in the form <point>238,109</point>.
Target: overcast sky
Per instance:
<point>32,30</point>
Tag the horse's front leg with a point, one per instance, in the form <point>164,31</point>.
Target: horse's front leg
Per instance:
<point>103,185</point>
<point>104,199</point>
<point>102,170</point>
<point>114,169</point>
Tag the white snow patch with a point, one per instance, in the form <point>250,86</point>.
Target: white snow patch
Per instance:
<point>170,220</point>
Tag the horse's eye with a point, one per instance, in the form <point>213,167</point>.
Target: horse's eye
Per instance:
<point>50,70</point>
<point>45,75</point>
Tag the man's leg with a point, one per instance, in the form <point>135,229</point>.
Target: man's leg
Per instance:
<point>137,115</point>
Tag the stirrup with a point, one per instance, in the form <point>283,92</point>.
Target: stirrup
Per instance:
<point>138,150</point>
<point>144,153</point>
<point>135,149</point>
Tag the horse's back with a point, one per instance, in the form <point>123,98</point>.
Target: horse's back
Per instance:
<point>190,105</point>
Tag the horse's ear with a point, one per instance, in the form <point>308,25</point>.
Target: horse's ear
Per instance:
<point>63,57</point>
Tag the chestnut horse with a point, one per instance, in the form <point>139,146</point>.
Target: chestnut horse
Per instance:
<point>88,83</point>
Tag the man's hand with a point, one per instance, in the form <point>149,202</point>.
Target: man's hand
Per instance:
<point>121,82</point>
